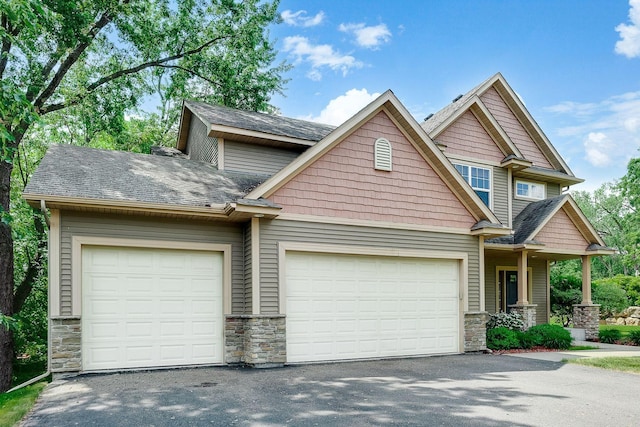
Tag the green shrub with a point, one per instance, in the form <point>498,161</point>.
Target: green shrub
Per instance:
<point>551,336</point>
<point>634,337</point>
<point>511,321</point>
<point>502,338</point>
<point>609,336</point>
<point>528,340</point>
<point>611,297</point>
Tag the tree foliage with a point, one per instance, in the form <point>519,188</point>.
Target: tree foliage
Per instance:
<point>77,71</point>
<point>612,299</point>
<point>566,290</point>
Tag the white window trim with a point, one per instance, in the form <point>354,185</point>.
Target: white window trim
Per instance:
<point>523,181</point>
<point>490,191</point>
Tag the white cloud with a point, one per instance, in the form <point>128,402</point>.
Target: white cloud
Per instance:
<point>319,56</point>
<point>300,18</point>
<point>597,146</point>
<point>343,107</point>
<point>629,43</point>
<point>369,37</point>
<point>608,131</point>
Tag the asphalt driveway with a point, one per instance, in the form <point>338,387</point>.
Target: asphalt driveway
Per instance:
<point>471,389</point>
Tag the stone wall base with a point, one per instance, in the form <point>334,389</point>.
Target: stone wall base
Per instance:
<point>475,331</point>
<point>528,313</point>
<point>587,317</point>
<point>258,341</point>
<point>66,344</point>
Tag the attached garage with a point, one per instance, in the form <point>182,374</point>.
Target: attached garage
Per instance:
<point>351,306</point>
<point>148,307</point>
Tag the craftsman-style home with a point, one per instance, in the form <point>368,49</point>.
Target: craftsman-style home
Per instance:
<point>266,240</point>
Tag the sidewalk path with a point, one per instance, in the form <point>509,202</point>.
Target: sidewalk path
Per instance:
<point>604,350</point>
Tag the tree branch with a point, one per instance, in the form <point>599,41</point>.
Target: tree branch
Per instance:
<point>6,44</point>
<point>121,73</point>
<point>73,57</point>
<point>193,73</point>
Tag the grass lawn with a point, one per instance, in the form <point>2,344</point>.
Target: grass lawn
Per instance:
<point>625,364</point>
<point>14,405</point>
<point>582,347</point>
<point>624,329</point>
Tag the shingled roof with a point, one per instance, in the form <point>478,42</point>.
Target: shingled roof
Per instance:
<point>259,122</point>
<point>442,115</point>
<point>529,219</point>
<point>86,173</point>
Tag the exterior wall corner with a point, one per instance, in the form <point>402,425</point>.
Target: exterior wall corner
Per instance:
<point>475,331</point>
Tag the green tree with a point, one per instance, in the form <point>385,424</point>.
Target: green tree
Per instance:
<point>629,187</point>
<point>85,64</point>
<point>608,211</point>
<point>611,297</point>
<point>566,289</point>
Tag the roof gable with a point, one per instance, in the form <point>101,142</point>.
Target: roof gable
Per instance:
<point>468,138</point>
<point>512,126</point>
<point>506,119</point>
<point>415,136</point>
<point>560,232</point>
<point>558,224</point>
<point>343,183</point>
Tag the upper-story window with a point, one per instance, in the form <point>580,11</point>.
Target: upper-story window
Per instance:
<point>530,190</point>
<point>479,179</point>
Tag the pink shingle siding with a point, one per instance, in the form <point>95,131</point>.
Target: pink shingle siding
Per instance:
<point>343,183</point>
<point>514,129</point>
<point>561,233</point>
<point>467,137</point>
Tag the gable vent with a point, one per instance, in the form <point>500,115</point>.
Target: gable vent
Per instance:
<point>382,155</point>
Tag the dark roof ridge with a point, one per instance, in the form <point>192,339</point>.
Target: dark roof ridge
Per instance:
<point>259,122</point>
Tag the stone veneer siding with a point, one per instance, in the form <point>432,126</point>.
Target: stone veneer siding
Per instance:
<point>475,331</point>
<point>258,341</point>
<point>528,313</point>
<point>587,317</point>
<point>66,344</point>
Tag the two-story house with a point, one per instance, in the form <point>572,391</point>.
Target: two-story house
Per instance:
<point>267,240</point>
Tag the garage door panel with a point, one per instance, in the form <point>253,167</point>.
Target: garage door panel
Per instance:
<point>156,313</point>
<point>377,306</point>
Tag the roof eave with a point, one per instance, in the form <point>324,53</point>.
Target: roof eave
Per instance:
<point>63,202</point>
<point>551,176</point>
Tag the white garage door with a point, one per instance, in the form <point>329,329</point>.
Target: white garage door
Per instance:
<point>149,307</point>
<point>351,307</point>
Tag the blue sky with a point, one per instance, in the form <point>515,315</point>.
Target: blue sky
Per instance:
<point>575,64</point>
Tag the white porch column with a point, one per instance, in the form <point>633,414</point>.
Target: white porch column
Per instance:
<point>523,292</point>
<point>586,280</point>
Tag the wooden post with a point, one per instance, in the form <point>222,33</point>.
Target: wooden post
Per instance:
<point>586,280</point>
<point>523,293</point>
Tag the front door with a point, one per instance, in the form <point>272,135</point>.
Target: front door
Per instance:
<point>507,289</point>
<point>511,288</point>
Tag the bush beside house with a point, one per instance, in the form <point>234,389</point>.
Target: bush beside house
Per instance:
<point>504,332</point>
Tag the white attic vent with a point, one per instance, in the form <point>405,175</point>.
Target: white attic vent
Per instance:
<point>382,155</point>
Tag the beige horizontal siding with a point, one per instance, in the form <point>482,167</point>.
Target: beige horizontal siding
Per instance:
<point>254,158</point>
<point>274,231</point>
<point>500,192</point>
<point>130,227</point>
<point>539,268</point>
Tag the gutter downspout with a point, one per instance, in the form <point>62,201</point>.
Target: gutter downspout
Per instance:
<point>43,209</point>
